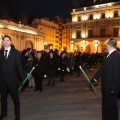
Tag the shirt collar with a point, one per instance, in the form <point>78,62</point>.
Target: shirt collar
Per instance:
<point>111,51</point>
<point>8,49</point>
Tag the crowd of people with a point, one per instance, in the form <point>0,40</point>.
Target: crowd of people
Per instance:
<point>53,64</point>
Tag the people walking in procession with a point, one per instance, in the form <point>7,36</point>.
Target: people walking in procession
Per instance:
<point>63,65</point>
<point>39,72</point>
<point>51,68</point>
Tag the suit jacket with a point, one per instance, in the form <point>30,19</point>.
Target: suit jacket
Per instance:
<point>40,67</point>
<point>110,72</point>
<point>10,68</point>
<point>51,66</point>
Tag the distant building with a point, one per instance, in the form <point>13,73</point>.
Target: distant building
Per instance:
<point>52,33</point>
<point>93,26</point>
<point>66,36</point>
<point>22,36</point>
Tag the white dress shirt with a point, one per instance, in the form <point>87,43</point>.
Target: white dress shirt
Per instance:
<point>7,51</point>
<point>110,52</point>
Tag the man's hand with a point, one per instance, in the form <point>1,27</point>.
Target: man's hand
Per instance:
<point>45,76</point>
<point>92,81</point>
<point>29,59</point>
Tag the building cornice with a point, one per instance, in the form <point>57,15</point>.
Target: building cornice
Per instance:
<point>19,27</point>
<point>96,8</point>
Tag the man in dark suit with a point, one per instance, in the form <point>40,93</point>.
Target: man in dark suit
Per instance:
<point>110,76</point>
<point>10,65</point>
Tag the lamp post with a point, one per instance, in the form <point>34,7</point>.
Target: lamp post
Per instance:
<point>96,45</point>
<point>45,45</point>
<point>72,45</point>
<point>83,43</point>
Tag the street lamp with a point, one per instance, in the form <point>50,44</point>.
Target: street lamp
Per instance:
<point>45,44</point>
<point>96,45</point>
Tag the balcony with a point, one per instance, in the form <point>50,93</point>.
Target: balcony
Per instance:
<point>101,36</point>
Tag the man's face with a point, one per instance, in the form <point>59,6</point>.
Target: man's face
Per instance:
<point>63,55</point>
<point>6,42</point>
<point>108,47</point>
<point>51,55</point>
<point>39,55</point>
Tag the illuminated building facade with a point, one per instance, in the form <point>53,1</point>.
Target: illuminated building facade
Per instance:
<point>22,36</point>
<point>52,32</point>
<point>66,36</point>
<point>93,26</point>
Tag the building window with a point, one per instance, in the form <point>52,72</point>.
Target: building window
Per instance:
<point>103,15</point>
<point>91,17</point>
<point>78,34</point>
<point>116,32</point>
<point>79,18</point>
<point>102,32</point>
<point>116,14</point>
<point>90,33</point>
<point>56,41</point>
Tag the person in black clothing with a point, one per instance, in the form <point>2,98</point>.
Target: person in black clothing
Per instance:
<point>10,65</point>
<point>110,76</point>
<point>27,63</point>
<point>78,62</point>
<point>63,65</point>
<point>71,63</point>
<point>91,61</point>
<point>39,71</point>
<point>51,68</point>
<point>56,55</point>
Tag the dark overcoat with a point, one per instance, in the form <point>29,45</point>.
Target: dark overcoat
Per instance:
<point>10,68</point>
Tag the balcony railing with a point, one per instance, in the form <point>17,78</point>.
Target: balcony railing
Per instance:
<point>100,36</point>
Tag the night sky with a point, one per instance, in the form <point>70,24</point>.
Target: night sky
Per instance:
<point>27,10</point>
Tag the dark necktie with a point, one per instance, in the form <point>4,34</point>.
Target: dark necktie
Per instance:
<point>6,54</point>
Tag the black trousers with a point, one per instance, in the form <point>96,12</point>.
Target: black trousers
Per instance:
<point>38,81</point>
<point>13,90</point>
<point>62,75</point>
<point>109,107</point>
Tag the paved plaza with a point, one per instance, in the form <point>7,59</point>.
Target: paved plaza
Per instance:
<point>69,100</point>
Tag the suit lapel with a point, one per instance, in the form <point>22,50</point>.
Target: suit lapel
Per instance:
<point>3,54</point>
<point>112,53</point>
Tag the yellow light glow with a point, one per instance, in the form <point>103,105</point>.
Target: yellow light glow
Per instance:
<point>96,42</point>
<point>62,49</point>
<point>83,35</point>
<point>83,42</point>
<point>74,18</point>
<point>22,30</point>
<point>109,13</point>
<point>96,6</point>
<point>73,10</point>
<point>96,15</point>
<point>85,8</point>
<point>75,48</point>
<point>1,26</point>
<point>73,35</point>
<point>109,4</point>
<point>84,17</point>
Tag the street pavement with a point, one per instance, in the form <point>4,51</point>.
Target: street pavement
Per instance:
<point>69,100</point>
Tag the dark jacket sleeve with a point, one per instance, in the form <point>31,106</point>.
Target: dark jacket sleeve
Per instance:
<point>19,66</point>
<point>116,73</point>
<point>98,74</point>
